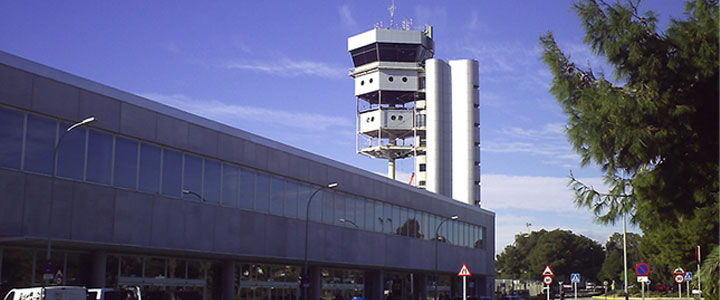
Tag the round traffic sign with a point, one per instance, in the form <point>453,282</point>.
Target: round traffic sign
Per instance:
<point>642,269</point>
<point>547,280</point>
<point>679,278</point>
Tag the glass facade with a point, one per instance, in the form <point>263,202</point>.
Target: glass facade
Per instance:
<point>99,157</point>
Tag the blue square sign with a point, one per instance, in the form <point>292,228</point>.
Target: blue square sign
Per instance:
<point>575,277</point>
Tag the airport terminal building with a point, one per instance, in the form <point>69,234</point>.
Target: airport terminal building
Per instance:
<point>148,195</point>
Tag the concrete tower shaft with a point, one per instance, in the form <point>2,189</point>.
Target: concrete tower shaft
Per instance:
<point>465,131</point>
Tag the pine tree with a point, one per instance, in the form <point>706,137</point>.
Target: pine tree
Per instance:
<point>653,129</point>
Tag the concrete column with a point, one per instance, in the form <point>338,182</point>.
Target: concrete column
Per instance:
<point>419,286</point>
<point>374,285</point>
<point>315,289</point>
<point>228,280</point>
<point>98,270</point>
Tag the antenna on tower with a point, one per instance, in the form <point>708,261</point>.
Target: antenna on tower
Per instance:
<point>392,13</point>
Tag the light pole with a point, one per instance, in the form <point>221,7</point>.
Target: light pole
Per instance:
<point>437,279</point>
<point>307,218</point>
<point>84,122</point>
<point>348,221</point>
<point>189,192</point>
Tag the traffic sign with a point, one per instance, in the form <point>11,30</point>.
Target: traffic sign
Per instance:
<point>575,277</point>
<point>679,271</point>
<point>679,278</point>
<point>643,279</point>
<point>605,283</point>
<point>642,269</point>
<point>464,271</point>
<point>48,266</point>
<point>58,277</point>
<point>688,276</point>
<point>547,280</point>
<point>548,271</point>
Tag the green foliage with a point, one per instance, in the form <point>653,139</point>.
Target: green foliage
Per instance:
<point>564,251</point>
<point>612,267</point>
<point>653,130</point>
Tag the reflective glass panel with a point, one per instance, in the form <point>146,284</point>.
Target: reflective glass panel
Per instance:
<point>39,144</point>
<point>211,181</point>
<point>247,189</point>
<point>11,135</point>
<point>262,192</point>
<point>369,214</point>
<point>339,208</point>
<point>327,206</point>
<point>349,211</point>
<point>304,192</point>
<point>397,222</point>
<point>291,199</point>
<point>149,180</point>
<point>379,217</point>
<point>126,162</point>
<point>230,179</point>
<point>359,212</point>
<point>387,212</point>
<point>99,158</point>
<point>71,153</point>
<point>192,177</point>
<point>277,187</point>
<point>171,173</point>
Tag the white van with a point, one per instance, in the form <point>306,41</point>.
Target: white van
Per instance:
<point>48,293</point>
<point>114,294</point>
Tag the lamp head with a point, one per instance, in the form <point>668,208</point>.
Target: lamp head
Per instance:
<point>455,217</point>
<point>332,185</point>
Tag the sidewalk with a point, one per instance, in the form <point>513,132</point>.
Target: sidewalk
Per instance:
<point>640,298</point>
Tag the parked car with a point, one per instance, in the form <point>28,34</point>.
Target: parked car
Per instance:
<point>48,293</point>
<point>114,294</point>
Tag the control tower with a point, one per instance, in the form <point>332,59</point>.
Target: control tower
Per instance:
<point>411,105</point>
<point>389,88</point>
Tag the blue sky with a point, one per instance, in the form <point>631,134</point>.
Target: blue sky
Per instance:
<point>279,69</point>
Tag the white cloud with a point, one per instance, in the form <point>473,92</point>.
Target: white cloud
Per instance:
<point>536,193</point>
<point>290,68</point>
<point>234,114</point>
<point>346,16</point>
<point>548,141</point>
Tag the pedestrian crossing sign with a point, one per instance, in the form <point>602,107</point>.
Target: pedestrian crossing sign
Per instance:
<point>575,277</point>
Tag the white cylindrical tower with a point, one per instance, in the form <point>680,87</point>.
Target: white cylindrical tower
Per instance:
<point>439,117</point>
<point>465,131</point>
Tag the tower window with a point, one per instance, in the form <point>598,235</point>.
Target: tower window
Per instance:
<point>370,80</point>
<point>422,167</point>
<point>362,82</point>
<point>404,79</point>
<point>391,79</point>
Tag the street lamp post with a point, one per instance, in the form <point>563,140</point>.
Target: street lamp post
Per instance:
<point>189,192</point>
<point>307,218</point>
<point>350,222</point>
<point>437,279</point>
<point>84,122</point>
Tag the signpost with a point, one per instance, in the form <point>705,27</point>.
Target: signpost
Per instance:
<point>679,278</point>
<point>688,278</point>
<point>643,271</point>
<point>464,273</point>
<point>697,257</point>
<point>548,279</point>
<point>575,278</point>
<point>605,283</point>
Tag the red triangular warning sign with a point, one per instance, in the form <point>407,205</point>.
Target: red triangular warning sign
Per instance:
<point>464,271</point>
<point>548,271</point>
